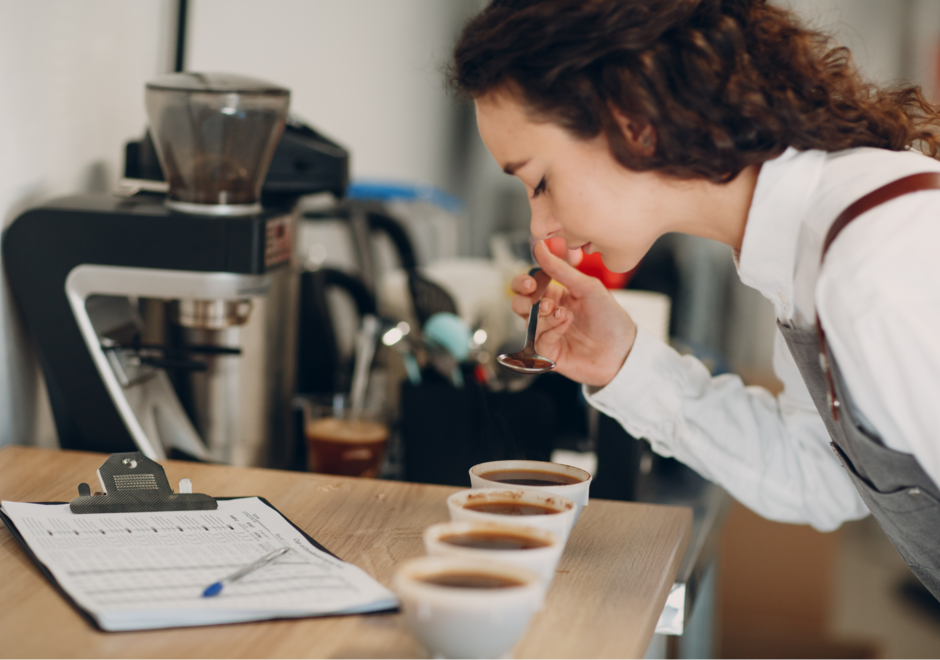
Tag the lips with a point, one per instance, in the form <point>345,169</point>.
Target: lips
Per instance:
<point>576,247</point>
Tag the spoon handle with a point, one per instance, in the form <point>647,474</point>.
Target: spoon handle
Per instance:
<point>542,280</point>
<point>533,324</point>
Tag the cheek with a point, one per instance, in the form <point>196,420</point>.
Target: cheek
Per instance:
<point>588,218</point>
<point>576,210</point>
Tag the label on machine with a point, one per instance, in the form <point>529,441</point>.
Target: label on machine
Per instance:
<point>278,242</point>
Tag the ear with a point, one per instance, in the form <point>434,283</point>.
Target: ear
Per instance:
<point>640,136</point>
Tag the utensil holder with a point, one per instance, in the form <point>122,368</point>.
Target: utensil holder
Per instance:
<point>445,431</point>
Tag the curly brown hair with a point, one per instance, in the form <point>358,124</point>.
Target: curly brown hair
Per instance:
<point>724,84</point>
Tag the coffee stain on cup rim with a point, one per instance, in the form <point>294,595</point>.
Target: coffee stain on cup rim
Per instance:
<point>490,494</point>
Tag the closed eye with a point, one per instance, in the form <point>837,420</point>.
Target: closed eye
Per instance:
<point>539,189</point>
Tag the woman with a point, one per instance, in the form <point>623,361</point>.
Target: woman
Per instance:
<point>628,119</point>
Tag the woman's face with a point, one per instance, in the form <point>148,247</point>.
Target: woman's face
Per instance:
<point>577,190</point>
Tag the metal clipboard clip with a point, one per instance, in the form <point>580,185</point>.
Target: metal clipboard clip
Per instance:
<point>132,483</point>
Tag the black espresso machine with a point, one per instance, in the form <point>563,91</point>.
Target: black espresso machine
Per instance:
<point>166,322</point>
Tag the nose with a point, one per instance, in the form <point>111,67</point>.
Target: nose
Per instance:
<point>542,223</point>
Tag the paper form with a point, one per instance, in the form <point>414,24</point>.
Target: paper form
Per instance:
<point>135,571</point>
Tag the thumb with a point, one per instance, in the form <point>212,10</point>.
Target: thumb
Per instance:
<point>561,271</point>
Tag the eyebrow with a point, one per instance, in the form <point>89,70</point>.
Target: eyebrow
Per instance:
<point>510,168</point>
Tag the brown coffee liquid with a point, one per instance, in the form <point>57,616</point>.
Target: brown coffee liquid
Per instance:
<point>346,447</point>
<point>511,508</point>
<point>494,541</point>
<point>472,581</point>
<point>527,363</point>
<point>530,478</point>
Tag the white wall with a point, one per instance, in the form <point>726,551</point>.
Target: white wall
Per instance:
<point>874,30</point>
<point>364,72</point>
<point>71,80</point>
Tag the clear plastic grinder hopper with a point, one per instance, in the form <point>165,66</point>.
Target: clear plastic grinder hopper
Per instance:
<point>215,135</point>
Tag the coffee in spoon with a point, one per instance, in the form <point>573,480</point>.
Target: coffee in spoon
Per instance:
<point>528,361</point>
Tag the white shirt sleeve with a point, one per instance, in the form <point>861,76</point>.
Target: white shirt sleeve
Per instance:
<point>772,454</point>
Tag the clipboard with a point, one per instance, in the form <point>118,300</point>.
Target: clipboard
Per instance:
<point>376,599</point>
<point>131,482</point>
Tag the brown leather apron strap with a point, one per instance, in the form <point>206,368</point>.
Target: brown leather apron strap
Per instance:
<point>909,184</point>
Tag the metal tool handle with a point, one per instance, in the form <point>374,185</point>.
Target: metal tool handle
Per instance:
<point>542,280</point>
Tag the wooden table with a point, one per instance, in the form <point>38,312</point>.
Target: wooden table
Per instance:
<point>610,588</point>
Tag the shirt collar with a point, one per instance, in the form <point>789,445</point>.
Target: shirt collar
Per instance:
<point>767,259</point>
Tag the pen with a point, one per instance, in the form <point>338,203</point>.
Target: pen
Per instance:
<point>216,587</point>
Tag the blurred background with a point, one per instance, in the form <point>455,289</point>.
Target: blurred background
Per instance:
<point>368,74</point>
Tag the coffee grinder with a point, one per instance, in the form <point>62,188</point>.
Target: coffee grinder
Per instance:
<point>167,323</point>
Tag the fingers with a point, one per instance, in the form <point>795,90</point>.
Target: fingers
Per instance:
<point>531,287</point>
<point>552,329</point>
<point>522,304</point>
<point>561,271</point>
<point>523,284</point>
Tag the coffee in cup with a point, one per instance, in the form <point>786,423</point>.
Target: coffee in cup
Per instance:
<point>353,448</point>
<point>530,547</point>
<point>567,480</point>
<point>342,441</point>
<point>514,506</point>
<point>471,580</point>
<point>530,478</point>
<point>493,540</point>
<point>510,508</point>
<point>467,608</point>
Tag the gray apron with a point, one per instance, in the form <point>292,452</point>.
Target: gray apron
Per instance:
<point>901,496</point>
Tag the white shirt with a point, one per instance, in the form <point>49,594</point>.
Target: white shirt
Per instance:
<point>879,301</point>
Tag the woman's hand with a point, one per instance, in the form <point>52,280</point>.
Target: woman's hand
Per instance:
<point>581,327</point>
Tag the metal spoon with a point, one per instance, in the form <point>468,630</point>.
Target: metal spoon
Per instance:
<point>527,361</point>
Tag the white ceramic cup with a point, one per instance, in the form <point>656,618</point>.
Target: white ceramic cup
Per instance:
<point>577,492</point>
<point>455,622</point>
<point>559,523</point>
<point>543,560</point>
